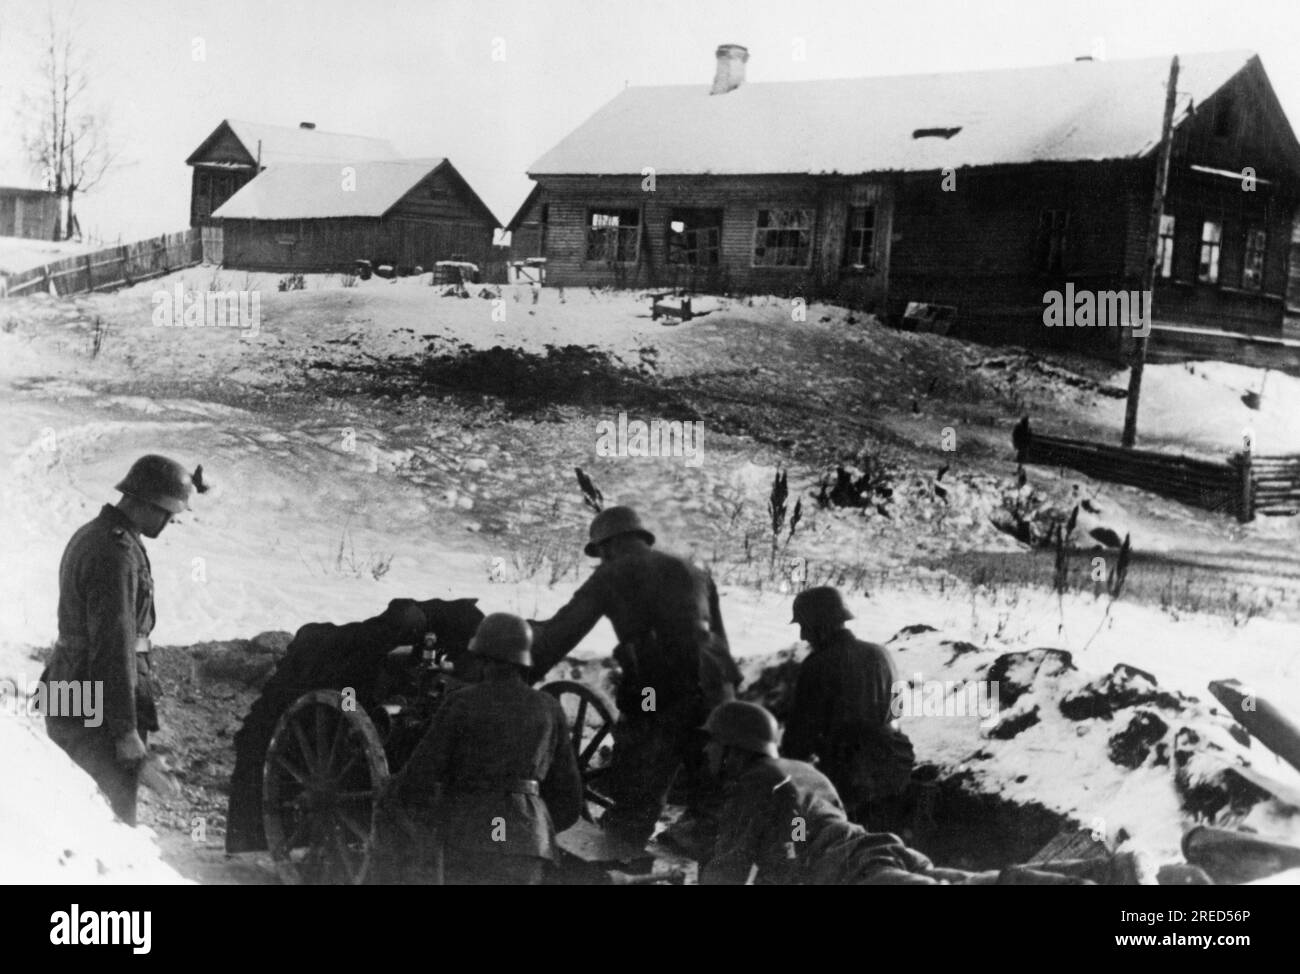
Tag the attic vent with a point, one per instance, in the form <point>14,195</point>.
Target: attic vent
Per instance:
<point>307,125</point>
<point>936,133</point>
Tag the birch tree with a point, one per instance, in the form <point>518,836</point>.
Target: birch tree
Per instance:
<point>65,135</point>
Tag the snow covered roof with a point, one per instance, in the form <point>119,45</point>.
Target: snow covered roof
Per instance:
<point>305,191</point>
<point>1083,110</point>
<point>286,143</point>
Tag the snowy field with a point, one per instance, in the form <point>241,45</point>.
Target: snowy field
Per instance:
<point>332,497</point>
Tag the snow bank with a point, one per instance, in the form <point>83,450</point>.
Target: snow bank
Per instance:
<point>55,827</point>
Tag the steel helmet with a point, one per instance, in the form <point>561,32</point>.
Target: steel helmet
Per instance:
<point>505,637</point>
<point>820,604</point>
<point>747,726</point>
<point>612,522</point>
<point>160,481</point>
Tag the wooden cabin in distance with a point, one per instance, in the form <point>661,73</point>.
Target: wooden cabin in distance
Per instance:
<point>236,151</point>
<point>981,191</point>
<point>30,213</point>
<point>323,217</point>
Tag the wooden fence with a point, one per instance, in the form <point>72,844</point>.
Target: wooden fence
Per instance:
<point>112,267</point>
<point>1224,485</point>
<point>1277,484</point>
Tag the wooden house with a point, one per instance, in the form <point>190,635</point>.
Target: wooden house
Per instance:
<point>325,216</point>
<point>30,213</point>
<point>237,151</point>
<point>982,191</point>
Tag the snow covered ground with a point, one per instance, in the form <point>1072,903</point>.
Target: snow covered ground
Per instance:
<point>22,253</point>
<point>327,504</point>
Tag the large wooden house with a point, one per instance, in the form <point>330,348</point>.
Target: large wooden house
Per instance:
<point>325,216</point>
<point>981,191</point>
<point>237,151</point>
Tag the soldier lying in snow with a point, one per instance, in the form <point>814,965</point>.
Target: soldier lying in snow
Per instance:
<point>785,818</point>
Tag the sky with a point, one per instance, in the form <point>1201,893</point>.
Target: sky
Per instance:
<point>494,84</point>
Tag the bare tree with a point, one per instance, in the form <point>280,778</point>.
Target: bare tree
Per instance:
<point>65,137</point>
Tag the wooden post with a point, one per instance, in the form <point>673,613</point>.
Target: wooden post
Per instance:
<point>1245,486</point>
<point>1139,355</point>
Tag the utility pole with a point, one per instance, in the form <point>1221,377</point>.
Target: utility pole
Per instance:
<point>1139,356</point>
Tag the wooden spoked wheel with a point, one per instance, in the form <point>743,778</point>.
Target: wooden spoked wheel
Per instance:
<point>324,767</point>
<point>591,726</point>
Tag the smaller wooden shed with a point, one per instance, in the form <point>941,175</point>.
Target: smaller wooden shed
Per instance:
<point>30,213</point>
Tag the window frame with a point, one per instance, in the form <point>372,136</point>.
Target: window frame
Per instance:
<point>1253,232</point>
<point>1165,246</point>
<point>808,214</point>
<point>621,234</point>
<point>1210,274</point>
<point>673,250</point>
<point>866,245</point>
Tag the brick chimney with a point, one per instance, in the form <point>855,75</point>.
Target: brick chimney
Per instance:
<point>731,68</point>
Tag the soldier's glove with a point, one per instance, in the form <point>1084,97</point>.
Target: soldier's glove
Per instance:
<point>130,749</point>
<point>154,776</point>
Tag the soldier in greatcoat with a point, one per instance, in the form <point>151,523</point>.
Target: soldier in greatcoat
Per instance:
<point>106,613</point>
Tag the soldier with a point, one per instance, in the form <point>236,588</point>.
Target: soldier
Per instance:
<point>106,613</point>
<point>495,775</point>
<point>785,818</point>
<point>843,713</point>
<point>676,665</point>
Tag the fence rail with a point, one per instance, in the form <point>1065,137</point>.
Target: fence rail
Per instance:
<point>1242,485</point>
<point>1277,484</point>
<point>111,267</point>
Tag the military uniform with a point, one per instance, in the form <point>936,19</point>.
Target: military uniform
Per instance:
<point>842,713</point>
<point>665,613</point>
<point>785,818</point>
<point>106,614</point>
<point>498,757</point>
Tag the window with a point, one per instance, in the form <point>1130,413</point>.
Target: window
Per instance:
<point>202,194</point>
<point>783,238</point>
<point>1165,247</point>
<point>861,235</point>
<point>1252,267</point>
<point>694,237</point>
<point>1211,243</point>
<point>613,236</point>
<point>1053,226</point>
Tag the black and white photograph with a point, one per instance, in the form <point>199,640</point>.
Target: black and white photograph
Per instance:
<point>651,443</point>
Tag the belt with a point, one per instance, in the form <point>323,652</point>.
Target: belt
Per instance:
<point>508,786</point>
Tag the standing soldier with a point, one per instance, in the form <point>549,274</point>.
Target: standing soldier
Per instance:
<point>106,613</point>
<point>495,777</point>
<point>843,714</point>
<point>676,666</point>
